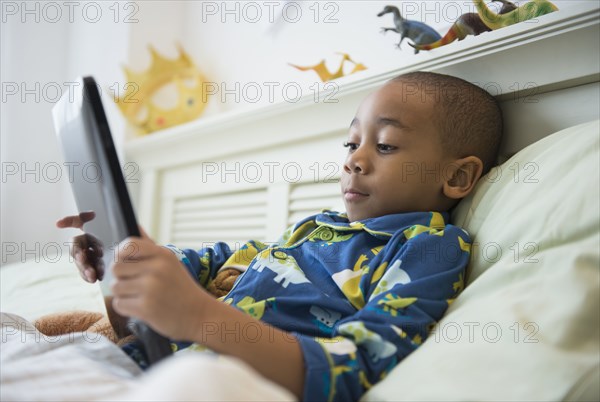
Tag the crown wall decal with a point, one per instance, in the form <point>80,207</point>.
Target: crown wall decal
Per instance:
<point>137,103</point>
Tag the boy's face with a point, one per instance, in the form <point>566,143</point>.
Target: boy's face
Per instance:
<point>395,160</point>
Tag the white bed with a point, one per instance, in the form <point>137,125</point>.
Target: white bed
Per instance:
<point>526,327</point>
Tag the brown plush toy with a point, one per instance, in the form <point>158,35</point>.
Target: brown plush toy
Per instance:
<point>76,321</point>
<point>223,282</point>
<point>112,325</point>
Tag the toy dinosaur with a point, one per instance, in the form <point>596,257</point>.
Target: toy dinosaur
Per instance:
<point>325,75</point>
<point>466,24</point>
<point>507,6</point>
<point>527,11</point>
<point>417,31</point>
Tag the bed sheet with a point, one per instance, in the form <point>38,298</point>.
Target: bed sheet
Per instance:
<point>50,285</point>
<point>71,367</point>
<point>84,366</point>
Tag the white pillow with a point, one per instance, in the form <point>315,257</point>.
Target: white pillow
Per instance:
<point>527,325</point>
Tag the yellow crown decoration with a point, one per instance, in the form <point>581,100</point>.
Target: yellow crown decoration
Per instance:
<point>137,103</point>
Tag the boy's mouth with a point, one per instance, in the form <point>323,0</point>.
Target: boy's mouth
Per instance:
<point>354,195</point>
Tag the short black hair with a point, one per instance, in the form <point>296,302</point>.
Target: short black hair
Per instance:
<point>468,117</point>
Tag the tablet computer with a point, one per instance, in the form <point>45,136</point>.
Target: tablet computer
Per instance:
<point>98,184</point>
<point>94,170</point>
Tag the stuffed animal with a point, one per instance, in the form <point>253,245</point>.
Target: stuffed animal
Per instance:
<point>76,321</point>
<point>112,325</point>
<point>223,282</point>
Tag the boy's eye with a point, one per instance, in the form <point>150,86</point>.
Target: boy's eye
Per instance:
<point>385,147</point>
<point>351,146</point>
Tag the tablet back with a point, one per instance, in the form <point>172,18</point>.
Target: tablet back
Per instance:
<point>94,170</point>
<point>98,185</point>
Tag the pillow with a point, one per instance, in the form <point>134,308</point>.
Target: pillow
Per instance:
<point>527,325</point>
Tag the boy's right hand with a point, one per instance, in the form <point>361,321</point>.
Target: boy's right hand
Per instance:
<point>86,250</point>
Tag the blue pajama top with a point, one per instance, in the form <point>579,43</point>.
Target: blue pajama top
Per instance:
<point>358,296</point>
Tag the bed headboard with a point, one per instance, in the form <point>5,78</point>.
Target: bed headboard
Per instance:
<point>249,174</point>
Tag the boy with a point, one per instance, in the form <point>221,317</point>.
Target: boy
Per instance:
<point>342,298</point>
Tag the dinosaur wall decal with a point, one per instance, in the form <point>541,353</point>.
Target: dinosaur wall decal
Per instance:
<point>527,11</point>
<point>420,33</point>
<point>466,24</point>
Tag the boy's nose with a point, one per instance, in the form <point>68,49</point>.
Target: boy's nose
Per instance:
<point>352,168</point>
<point>356,163</point>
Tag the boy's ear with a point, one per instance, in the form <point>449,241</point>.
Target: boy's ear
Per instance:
<point>461,176</point>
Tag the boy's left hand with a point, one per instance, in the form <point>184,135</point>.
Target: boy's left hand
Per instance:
<point>151,284</point>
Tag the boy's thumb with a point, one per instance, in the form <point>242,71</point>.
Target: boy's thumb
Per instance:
<point>143,233</point>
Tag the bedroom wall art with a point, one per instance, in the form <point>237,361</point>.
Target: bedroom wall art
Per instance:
<point>178,80</point>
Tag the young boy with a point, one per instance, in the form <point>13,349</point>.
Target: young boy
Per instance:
<point>342,298</point>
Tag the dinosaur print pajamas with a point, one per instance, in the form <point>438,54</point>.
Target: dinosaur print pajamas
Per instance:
<point>358,296</point>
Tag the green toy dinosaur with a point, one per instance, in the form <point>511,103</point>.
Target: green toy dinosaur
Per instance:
<point>466,24</point>
<point>527,11</point>
<point>507,6</point>
<point>417,31</point>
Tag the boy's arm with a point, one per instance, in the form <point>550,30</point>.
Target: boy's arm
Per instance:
<point>150,285</point>
<point>272,352</point>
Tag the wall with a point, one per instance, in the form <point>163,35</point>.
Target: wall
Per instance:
<point>242,47</point>
<point>43,49</point>
<point>246,45</point>
<point>28,142</point>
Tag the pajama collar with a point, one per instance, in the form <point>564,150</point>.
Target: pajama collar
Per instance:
<point>383,226</point>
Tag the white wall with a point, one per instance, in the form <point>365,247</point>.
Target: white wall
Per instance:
<point>45,44</point>
<point>43,50</point>
<point>30,204</point>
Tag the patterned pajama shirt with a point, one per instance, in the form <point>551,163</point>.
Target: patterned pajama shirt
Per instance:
<point>358,296</point>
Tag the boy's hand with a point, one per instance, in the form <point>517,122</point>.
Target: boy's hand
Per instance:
<point>87,250</point>
<point>151,284</point>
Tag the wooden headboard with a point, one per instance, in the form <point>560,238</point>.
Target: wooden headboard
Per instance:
<point>250,174</point>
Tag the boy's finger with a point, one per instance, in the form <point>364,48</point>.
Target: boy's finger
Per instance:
<point>87,271</point>
<point>127,287</point>
<point>129,271</point>
<point>69,222</point>
<point>143,233</point>
<point>136,269</point>
<point>90,274</point>
<point>76,221</point>
<point>126,306</point>
<point>136,248</point>
<point>87,216</point>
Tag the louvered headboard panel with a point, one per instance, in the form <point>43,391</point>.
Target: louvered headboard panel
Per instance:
<point>310,198</point>
<point>232,217</point>
<point>237,216</point>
